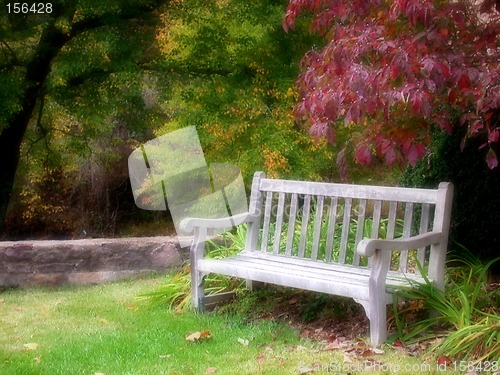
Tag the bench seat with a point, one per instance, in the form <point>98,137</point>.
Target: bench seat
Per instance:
<point>330,278</point>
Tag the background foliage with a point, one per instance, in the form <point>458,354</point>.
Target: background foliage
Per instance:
<point>127,72</point>
<point>232,73</point>
<point>475,219</point>
<point>226,67</point>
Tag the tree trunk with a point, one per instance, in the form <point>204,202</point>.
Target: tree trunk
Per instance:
<point>37,70</point>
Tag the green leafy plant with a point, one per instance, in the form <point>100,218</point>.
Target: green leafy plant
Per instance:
<point>176,292</point>
<point>231,243</point>
<point>467,311</point>
<point>480,340</point>
<point>351,236</point>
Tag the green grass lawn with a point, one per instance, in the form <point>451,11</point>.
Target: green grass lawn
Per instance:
<point>103,330</point>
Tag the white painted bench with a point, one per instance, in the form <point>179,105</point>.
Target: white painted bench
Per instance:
<point>333,238</point>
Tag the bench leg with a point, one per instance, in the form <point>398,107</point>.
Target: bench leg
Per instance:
<point>198,290</point>
<point>378,322</point>
<point>377,297</point>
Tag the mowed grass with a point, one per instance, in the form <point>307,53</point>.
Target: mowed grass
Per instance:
<point>103,330</point>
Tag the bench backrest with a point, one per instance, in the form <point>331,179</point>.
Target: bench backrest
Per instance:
<point>325,221</point>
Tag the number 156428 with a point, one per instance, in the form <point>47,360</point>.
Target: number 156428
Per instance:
<point>25,8</point>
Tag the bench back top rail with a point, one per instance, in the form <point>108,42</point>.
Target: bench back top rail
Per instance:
<point>326,221</point>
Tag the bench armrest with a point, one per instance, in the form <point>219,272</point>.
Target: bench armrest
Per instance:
<point>188,225</point>
<point>367,247</point>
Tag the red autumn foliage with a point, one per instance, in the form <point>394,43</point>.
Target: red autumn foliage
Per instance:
<point>396,68</point>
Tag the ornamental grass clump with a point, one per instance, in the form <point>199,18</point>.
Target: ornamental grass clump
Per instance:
<point>176,292</point>
<point>466,317</point>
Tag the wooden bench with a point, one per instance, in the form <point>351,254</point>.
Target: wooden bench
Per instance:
<point>333,238</point>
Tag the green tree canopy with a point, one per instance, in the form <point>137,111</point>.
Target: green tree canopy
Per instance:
<point>118,73</point>
<point>232,73</point>
<point>69,73</point>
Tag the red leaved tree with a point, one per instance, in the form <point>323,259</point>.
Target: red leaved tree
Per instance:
<point>394,69</point>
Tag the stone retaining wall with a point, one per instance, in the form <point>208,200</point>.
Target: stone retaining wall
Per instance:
<point>87,261</point>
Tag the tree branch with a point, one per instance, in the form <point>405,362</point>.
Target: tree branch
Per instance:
<point>14,56</point>
<point>114,18</point>
<point>94,74</point>
<point>13,60</point>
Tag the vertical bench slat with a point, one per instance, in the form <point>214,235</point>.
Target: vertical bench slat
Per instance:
<point>267,221</point>
<point>408,221</point>
<point>306,209</point>
<point>318,220</point>
<point>332,218</point>
<point>360,229</point>
<point>279,223</point>
<point>345,230</point>
<point>391,225</point>
<point>291,225</point>
<point>256,200</point>
<point>377,213</point>
<point>424,228</point>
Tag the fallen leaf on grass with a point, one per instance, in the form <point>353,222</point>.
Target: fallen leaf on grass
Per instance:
<point>211,370</point>
<point>130,306</point>
<point>378,351</point>
<point>198,336</point>
<point>444,360</point>
<point>243,341</point>
<point>347,359</point>
<point>332,346</point>
<point>165,356</point>
<point>304,368</point>
<point>261,357</point>
<point>31,346</point>
<point>399,344</point>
